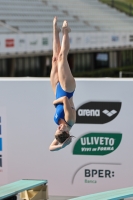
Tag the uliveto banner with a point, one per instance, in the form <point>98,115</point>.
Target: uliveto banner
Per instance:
<point>99,157</point>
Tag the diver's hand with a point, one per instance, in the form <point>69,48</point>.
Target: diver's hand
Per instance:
<point>60,100</point>
<point>67,142</point>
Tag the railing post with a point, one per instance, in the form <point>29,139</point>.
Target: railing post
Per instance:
<point>112,3</point>
<point>130,9</point>
<point>120,74</point>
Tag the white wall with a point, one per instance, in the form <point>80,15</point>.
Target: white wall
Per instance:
<point>30,130</point>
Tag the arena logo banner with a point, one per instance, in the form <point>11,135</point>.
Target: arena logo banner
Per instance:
<point>97,112</point>
<point>97,144</point>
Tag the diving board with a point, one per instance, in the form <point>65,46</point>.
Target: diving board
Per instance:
<point>119,194</point>
<point>12,189</point>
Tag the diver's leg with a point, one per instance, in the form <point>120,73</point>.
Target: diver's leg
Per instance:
<point>56,50</point>
<point>66,78</point>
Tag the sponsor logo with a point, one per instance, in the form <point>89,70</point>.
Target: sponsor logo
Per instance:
<point>109,114</point>
<point>97,144</point>
<point>97,112</point>
<point>124,38</point>
<point>97,174</point>
<point>21,42</point>
<point>33,42</point>
<point>78,40</point>
<point>115,38</point>
<point>45,41</point>
<point>100,173</point>
<point>92,172</point>
<point>9,42</point>
<point>56,116</point>
<point>131,38</point>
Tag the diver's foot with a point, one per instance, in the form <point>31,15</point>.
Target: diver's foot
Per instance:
<point>55,27</point>
<point>65,27</point>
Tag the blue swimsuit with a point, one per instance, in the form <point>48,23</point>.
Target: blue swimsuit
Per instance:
<point>60,107</point>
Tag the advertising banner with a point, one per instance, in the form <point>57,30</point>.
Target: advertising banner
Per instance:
<point>3,147</point>
<point>99,157</point>
<point>15,43</point>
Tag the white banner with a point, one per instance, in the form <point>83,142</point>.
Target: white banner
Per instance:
<point>98,159</point>
<point>3,147</point>
<point>18,43</point>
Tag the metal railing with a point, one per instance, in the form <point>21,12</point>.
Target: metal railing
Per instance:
<point>128,74</point>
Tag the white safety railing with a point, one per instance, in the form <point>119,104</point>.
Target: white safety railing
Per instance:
<point>121,73</point>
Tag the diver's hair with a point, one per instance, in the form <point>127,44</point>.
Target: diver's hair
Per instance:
<point>61,137</point>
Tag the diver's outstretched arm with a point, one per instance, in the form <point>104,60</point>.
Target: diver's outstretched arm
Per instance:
<point>55,146</point>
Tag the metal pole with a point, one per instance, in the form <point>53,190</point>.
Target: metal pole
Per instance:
<point>130,9</point>
<point>112,3</point>
<point>120,74</point>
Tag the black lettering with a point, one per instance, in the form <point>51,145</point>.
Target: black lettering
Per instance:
<point>100,173</point>
<point>87,173</point>
<point>94,172</point>
<point>107,173</point>
<point>113,174</point>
